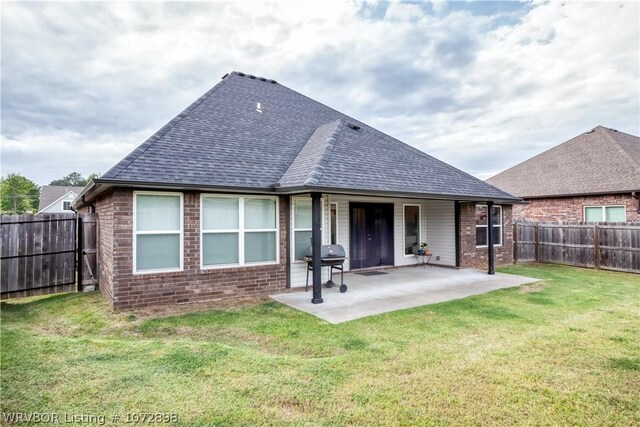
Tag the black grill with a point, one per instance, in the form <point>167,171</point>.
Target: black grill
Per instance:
<point>332,256</point>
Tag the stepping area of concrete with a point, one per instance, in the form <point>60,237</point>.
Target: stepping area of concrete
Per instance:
<point>398,289</point>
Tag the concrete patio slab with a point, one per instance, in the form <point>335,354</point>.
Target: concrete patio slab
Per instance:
<point>398,289</point>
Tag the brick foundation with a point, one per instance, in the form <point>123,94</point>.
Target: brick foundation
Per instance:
<point>125,290</point>
<point>472,256</point>
<point>571,208</point>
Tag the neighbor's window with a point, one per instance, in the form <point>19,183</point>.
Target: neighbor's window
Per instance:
<point>482,225</point>
<point>158,232</point>
<point>411,229</point>
<point>301,227</point>
<point>239,230</point>
<point>334,223</point>
<point>66,205</point>
<point>605,213</point>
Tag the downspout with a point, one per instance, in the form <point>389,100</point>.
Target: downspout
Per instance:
<point>457,231</point>
<point>490,238</point>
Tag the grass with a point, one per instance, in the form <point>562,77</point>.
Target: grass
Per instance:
<point>566,351</point>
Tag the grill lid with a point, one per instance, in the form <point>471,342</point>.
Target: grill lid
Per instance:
<point>328,251</point>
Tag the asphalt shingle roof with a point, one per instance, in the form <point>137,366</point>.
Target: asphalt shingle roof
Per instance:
<point>597,162</point>
<point>51,193</point>
<point>224,140</point>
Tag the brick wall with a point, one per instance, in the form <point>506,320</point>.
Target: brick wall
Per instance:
<point>470,255</point>
<point>571,208</point>
<point>105,210</point>
<point>190,285</point>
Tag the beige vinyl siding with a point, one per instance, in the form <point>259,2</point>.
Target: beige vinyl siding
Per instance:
<point>437,227</point>
<point>398,226</point>
<point>441,235</point>
<point>299,268</point>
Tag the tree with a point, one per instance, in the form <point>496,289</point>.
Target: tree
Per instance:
<point>18,194</point>
<point>74,179</point>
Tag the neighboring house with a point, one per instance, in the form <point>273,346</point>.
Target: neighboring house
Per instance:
<point>593,177</point>
<point>223,200</point>
<point>56,199</point>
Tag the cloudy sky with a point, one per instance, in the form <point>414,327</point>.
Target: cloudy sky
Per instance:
<point>481,86</point>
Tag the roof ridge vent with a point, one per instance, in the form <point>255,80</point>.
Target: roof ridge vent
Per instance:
<point>241,74</point>
<point>225,76</point>
<point>613,130</point>
<point>352,126</point>
<point>251,76</point>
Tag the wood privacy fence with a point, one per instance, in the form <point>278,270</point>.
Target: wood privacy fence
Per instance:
<point>41,254</point>
<point>610,246</point>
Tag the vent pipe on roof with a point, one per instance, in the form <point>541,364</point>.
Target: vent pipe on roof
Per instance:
<point>258,108</point>
<point>352,126</point>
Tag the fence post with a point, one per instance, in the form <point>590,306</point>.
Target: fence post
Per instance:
<point>515,242</point>
<point>537,244</point>
<point>596,247</point>
<point>79,252</point>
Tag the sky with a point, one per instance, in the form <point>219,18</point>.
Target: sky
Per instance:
<point>481,86</point>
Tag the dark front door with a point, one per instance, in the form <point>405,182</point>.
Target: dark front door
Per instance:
<point>371,226</point>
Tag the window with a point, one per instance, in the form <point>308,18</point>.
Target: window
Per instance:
<point>334,223</point>
<point>66,205</point>
<point>238,231</point>
<point>157,243</point>
<point>301,227</point>
<point>482,225</point>
<point>411,229</point>
<point>605,213</point>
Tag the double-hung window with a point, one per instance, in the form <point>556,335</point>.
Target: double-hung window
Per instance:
<point>605,213</point>
<point>157,240</point>
<point>411,229</point>
<point>482,237</point>
<point>239,231</point>
<point>301,227</point>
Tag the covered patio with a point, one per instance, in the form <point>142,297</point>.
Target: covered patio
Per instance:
<point>397,289</point>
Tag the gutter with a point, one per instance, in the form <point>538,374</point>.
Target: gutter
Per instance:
<point>100,185</point>
<point>598,193</point>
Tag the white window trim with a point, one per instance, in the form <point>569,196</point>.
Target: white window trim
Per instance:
<point>293,228</point>
<point>604,213</point>
<point>331,204</point>
<point>136,232</point>
<point>404,228</point>
<point>240,230</point>
<point>66,201</point>
<point>487,226</point>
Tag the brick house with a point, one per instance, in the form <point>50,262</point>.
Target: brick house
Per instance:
<point>223,201</point>
<point>593,177</point>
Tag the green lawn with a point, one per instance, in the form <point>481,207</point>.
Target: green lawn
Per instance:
<point>564,352</point>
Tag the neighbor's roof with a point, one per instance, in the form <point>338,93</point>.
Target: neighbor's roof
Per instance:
<point>290,142</point>
<point>600,161</point>
<point>52,193</point>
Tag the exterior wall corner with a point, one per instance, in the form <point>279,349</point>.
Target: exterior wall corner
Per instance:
<point>471,256</point>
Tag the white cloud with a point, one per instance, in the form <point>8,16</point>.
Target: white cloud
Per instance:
<point>84,83</point>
